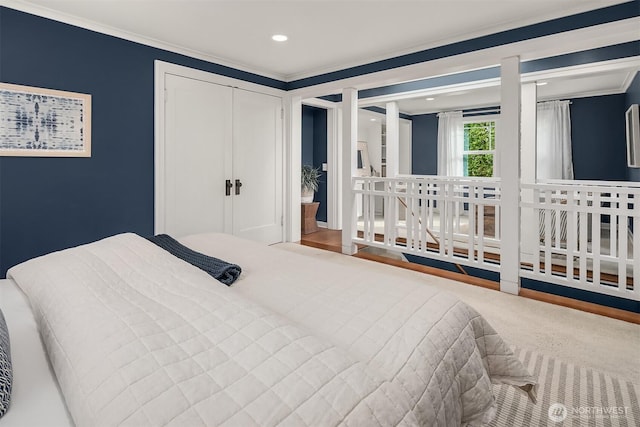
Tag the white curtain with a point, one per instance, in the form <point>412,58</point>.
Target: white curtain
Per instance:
<point>554,159</point>
<point>450,143</point>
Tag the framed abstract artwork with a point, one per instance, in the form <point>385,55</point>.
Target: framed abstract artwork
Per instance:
<point>43,122</point>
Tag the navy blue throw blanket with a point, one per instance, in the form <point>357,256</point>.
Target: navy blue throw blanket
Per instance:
<point>218,269</point>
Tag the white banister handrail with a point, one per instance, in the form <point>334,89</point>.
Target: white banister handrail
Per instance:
<point>631,184</point>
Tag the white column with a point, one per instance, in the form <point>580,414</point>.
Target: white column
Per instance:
<point>293,113</point>
<point>349,166</point>
<point>393,139</point>
<point>529,223</point>
<point>334,174</point>
<point>509,158</point>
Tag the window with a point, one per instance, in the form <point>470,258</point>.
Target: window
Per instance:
<point>479,149</point>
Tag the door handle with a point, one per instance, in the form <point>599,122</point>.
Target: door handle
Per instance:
<point>228,186</point>
<point>238,185</point>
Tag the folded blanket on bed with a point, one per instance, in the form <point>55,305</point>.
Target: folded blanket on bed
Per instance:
<point>220,270</point>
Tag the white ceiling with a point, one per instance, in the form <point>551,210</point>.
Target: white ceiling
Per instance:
<point>324,35</point>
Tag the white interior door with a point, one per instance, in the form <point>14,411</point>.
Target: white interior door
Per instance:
<point>257,164</point>
<point>197,156</point>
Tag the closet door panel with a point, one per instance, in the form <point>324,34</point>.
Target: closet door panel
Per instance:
<point>257,163</point>
<point>197,156</point>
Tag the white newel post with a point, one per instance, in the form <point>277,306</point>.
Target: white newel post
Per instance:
<point>509,158</point>
<point>349,167</point>
<point>393,139</point>
<point>528,228</point>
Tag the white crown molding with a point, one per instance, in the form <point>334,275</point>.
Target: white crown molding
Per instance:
<point>87,24</point>
<point>627,82</point>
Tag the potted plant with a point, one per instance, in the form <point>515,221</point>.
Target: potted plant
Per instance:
<point>310,181</point>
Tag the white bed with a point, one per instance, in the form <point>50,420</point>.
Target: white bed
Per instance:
<point>126,326</point>
<point>36,400</point>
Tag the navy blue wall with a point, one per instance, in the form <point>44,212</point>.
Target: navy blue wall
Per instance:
<point>308,115</point>
<point>424,144</point>
<point>314,150</point>
<point>47,204</point>
<point>598,138</point>
<point>320,157</point>
<point>633,97</point>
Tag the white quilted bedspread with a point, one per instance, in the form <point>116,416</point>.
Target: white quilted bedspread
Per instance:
<point>426,342</point>
<point>139,338</point>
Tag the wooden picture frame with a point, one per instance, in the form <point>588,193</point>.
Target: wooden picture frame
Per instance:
<point>40,122</point>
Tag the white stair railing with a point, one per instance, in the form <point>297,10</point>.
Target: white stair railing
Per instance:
<point>580,231</point>
<point>452,219</point>
<point>585,237</point>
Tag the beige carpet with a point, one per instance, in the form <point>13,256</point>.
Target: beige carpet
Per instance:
<point>582,339</point>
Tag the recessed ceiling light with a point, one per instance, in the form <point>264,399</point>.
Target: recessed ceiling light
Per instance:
<point>541,83</point>
<point>430,99</point>
<point>373,120</point>
<point>279,37</point>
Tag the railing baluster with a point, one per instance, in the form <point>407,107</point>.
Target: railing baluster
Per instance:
<point>472,223</point>
<point>480,256</point>
<point>536,216</point>
<point>584,240</point>
<point>622,249</point>
<point>596,226</point>
<point>547,234</point>
<point>613,229</point>
<point>636,247</point>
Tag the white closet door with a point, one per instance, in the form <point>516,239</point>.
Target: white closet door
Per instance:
<point>257,163</point>
<point>197,156</point>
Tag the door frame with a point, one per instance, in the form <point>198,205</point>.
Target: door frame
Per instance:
<point>161,69</point>
<point>334,160</point>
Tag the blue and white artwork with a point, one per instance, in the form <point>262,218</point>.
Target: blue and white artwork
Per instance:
<point>41,122</point>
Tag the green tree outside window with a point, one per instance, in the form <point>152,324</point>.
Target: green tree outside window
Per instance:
<point>479,148</point>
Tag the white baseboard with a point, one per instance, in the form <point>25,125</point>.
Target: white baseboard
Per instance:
<point>322,224</point>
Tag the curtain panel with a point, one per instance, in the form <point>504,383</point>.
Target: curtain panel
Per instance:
<point>450,143</point>
<point>553,151</point>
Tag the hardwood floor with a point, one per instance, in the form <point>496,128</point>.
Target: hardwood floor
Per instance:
<point>331,240</point>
